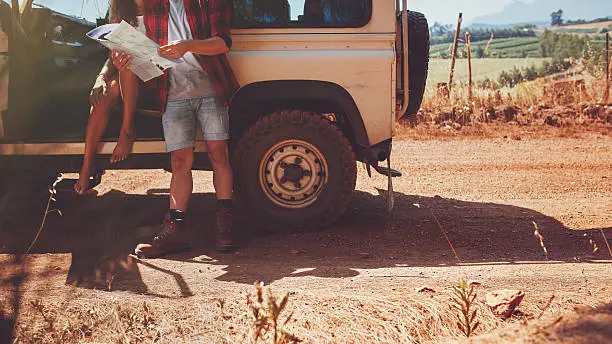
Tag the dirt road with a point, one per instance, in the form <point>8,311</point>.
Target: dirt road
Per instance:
<point>356,281</point>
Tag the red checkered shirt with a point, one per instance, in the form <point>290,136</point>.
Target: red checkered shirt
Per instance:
<point>207,18</point>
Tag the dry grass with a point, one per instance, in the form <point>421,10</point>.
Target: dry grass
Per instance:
<point>268,326</point>
<point>406,317</point>
<point>483,68</point>
<point>115,323</point>
<point>532,109</point>
<point>410,318</point>
<point>590,325</point>
<point>48,210</point>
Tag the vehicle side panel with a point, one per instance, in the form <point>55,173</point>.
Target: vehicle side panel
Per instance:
<point>360,63</point>
<point>361,60</point>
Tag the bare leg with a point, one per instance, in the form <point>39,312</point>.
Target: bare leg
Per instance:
<point>98,118</point>
<point>129,94</point>
<point>181,186</point>
<point>222,171</point>
<point>172,237</point>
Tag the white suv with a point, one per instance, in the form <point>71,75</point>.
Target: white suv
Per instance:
<point>323,84</point>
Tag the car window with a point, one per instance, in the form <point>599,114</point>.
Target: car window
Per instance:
<point>89,9</point>
<point>301,13</point>
<point>254,13</point>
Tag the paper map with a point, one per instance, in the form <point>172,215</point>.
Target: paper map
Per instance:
<point>146,62</point>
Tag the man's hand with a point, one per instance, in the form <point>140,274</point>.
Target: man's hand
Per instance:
<point>98,92</point>
<point>174,50</point>
<point>121,60</point>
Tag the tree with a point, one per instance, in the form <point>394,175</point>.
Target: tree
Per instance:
<point>556,18</point>
<point>480,52</point>
<point>562,46</point>
<point>438,29</point>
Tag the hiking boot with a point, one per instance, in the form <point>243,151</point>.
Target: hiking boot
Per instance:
<point>225,230</point>
<point>171,239</point>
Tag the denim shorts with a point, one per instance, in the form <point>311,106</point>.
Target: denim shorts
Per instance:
<point>180,118</point>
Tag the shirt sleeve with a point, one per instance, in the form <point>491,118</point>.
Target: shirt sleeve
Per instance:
<point>220,18</point>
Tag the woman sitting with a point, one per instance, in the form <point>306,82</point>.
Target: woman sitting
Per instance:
<point>115,81</point>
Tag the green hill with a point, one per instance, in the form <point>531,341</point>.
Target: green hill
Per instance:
<point>501,48</point>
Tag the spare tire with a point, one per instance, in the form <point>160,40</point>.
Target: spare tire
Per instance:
<point>418,59</point>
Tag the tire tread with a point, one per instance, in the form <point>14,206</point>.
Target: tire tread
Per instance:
<point>319,124</point>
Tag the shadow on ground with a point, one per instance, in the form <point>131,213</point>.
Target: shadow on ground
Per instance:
<point>100,232</point>
<point>590,327</point>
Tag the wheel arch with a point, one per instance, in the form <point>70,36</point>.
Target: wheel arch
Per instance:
<point>262,98</point>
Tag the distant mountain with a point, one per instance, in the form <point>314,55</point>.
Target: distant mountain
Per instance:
<point>539,11</point>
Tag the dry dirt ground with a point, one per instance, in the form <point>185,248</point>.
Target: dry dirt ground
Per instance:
<point>354,282</point>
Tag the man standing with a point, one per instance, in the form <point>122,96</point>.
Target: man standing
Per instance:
<point>199,88</point>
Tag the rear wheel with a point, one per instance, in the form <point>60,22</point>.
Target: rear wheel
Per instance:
<point>294,170</point>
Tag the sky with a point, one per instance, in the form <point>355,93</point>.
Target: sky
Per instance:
<point>444,11</point>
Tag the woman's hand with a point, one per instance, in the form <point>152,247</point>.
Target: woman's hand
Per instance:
<point>174,50</point>
<point>99,91</point>
<point>121,60</point>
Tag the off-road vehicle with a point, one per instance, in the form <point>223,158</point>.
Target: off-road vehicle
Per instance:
<point>323,83</point>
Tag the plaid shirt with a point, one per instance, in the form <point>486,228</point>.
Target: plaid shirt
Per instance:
<point>207,18</point>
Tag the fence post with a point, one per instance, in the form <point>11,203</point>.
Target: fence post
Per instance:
<point>469,56</point>
<point>454,54</point>
<point>607,92</point>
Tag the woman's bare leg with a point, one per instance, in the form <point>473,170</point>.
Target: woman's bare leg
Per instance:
<point>129,93</point>
<point>98,119</point>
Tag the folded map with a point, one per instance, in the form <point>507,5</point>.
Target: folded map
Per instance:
<point>146,63</point>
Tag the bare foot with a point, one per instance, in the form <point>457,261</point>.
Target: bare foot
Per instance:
<point>82,185</point>
<point>123,148</point>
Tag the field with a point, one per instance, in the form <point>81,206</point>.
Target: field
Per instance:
<point>589,28</point>
<point>525,46</point>
<point>519,47</point>
<point>506,47</point>
<point>481,68</point>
